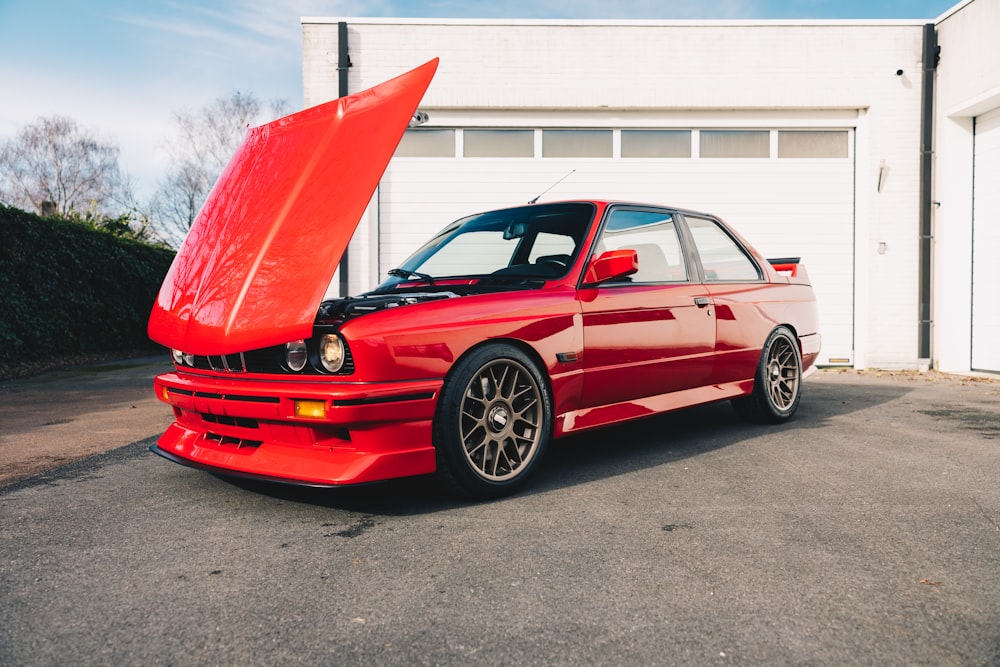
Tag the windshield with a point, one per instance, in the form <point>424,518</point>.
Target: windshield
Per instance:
<point>539,241</point>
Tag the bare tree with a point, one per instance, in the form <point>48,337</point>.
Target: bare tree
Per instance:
<point>57,168</point>
<point>203,143</point>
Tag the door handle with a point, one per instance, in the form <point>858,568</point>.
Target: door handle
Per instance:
<point>702,301</point>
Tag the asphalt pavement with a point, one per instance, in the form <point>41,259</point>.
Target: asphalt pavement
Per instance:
<point>62,416</point>
<point>866,531</point>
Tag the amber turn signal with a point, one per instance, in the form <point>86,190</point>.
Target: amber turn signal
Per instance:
<point>310,409</point>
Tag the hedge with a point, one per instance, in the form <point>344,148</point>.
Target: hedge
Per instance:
<point>67,289</point>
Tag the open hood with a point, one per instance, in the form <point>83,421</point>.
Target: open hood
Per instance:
<point>265,245</point>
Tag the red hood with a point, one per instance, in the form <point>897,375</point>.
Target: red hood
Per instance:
<point>265,245</point>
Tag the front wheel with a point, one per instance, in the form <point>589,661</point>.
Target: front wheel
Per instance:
<point>778,382</point>
<point>493,423</point>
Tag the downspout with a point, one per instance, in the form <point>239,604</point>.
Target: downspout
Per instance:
<point>343,64</point>
<point>930,60</point>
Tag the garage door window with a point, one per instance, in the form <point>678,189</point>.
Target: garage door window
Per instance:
<point>656,143</point>
<point>427,143</point>
<point>735,143</point>
<point>576,143</point>
<point>499,143</point>
<point>812,144</point>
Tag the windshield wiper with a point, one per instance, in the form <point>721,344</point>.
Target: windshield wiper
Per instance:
<point>406,273</point>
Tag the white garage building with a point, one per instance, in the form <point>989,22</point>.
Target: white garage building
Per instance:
<point>813,138</point>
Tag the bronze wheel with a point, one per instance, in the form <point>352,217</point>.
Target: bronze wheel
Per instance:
<point>493,422</point>
<point>778,382</point>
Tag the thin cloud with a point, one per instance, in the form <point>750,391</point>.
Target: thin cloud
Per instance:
<point>583,9</point>
<point>198,31</point>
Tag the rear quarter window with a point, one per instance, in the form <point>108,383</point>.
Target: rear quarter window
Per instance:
<point>722,258</point>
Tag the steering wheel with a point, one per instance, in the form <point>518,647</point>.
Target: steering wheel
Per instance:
<point>561,261</point>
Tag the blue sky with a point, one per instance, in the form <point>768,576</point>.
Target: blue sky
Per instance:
<point>120,68</point>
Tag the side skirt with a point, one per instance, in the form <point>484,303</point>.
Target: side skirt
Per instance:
<point>605,415</point>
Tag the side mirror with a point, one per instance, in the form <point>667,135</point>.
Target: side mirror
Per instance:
<point>611,265</point>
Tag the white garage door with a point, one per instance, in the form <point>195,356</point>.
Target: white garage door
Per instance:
<point>785,202</point>
<point>986,245</point>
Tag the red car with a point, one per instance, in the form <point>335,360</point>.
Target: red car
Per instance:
<point>506,330</point>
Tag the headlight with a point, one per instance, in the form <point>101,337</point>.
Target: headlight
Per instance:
<point>296,355</point>
<point>331,352</point>
<point>182,358</point>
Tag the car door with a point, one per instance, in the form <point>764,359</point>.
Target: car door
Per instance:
<point>737,289</point>
<point>652,332</point>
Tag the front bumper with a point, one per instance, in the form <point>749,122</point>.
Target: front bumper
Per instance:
<point>309,432</point>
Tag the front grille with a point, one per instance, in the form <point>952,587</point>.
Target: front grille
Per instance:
<point>242,422</point>
<point>268,360</point>
<point>229,440</point>
<point>227,363</point>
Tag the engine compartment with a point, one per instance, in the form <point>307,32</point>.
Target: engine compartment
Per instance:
<point>353,306</point>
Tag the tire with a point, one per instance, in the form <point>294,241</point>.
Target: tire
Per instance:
<point>777,384</point>
<point>493,422</point>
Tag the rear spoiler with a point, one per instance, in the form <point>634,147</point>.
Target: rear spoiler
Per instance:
<point>792,268</point>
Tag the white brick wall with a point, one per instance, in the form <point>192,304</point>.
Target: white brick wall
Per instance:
<point>697,67</point>
<point>968,84</point>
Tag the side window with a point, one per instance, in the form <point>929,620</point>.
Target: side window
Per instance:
<point>653,236</point>
<point>721,257</point>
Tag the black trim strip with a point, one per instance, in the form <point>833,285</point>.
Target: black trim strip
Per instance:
<point>380,400</point>
<point>251,399</point>
<point>237,397</point>
<point>224,397</point>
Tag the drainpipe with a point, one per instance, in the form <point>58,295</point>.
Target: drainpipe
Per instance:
<point>930,60</point>
<point>343,64</point>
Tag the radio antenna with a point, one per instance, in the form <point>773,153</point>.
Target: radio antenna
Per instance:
<point>552,186</point>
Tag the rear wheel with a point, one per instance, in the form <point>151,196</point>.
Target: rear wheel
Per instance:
<point>778,382</point>
<point>493,423</point>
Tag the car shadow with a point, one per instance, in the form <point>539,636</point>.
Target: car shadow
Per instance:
<point>598,454</point>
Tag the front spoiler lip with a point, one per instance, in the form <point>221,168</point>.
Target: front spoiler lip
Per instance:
<point>257,477</point>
